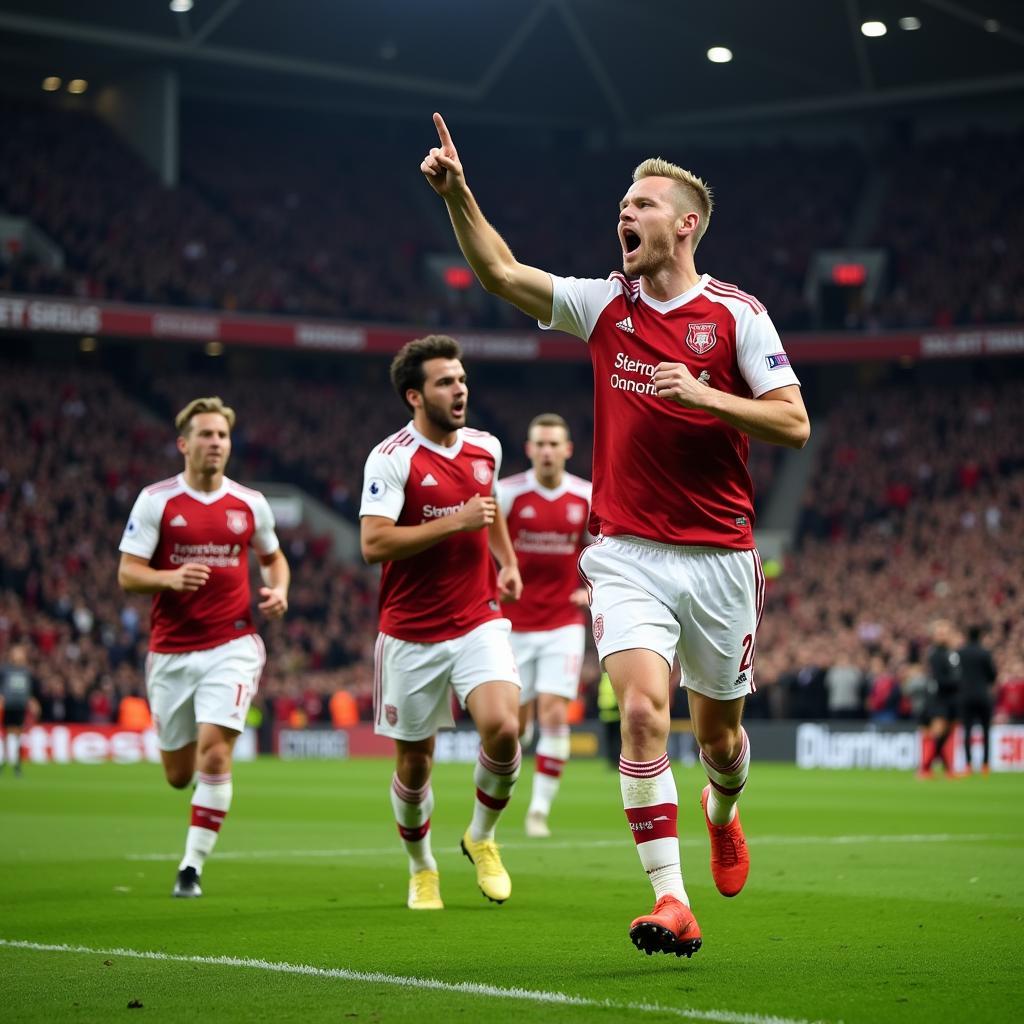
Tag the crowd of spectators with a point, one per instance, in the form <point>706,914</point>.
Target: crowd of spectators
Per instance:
<point>951,261</point>
<point>276,217</point>
<point>914,512</point>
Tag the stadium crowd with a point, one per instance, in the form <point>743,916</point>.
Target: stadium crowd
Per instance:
<point>290,222</point>
<point>914,512</point>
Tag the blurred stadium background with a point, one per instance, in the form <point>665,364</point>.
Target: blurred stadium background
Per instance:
<point>226,200</point>
<point>232,205</point>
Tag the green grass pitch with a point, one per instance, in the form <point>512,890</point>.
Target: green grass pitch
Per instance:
<point>872,897</point>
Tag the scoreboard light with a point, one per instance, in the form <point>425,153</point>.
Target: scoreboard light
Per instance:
<point>459,278</point>
<point>849,275</point>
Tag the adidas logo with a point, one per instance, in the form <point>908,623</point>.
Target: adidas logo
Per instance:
<point>428,481</point>
<point>179,520</point>
<point>528,512</point>
<point>626,325</point>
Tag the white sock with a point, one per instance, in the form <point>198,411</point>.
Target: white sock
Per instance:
<point>652,809</point>
<point>552,754</point>
<point>727,783</point>
<point>210,803</point>
<point>413,808</point>
<point>495,781</point>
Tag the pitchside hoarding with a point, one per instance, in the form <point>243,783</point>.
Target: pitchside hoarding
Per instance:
<point>806,744</point>
<point>97,744</point>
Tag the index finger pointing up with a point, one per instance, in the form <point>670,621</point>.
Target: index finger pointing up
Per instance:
<point>442,132</point>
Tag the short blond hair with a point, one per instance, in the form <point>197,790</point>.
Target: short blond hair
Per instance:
<point>549,419</point>
<point>183,421</point>
<point>692,190</point>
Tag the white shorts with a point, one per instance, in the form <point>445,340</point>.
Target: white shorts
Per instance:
<point>700,604</point>
<point>216,686</point>
<point>412,682</point>
<point>549,661</point>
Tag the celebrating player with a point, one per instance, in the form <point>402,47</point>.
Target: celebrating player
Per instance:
<point>547,511</point>
<point>685,368</point>
<point>429,515</point>
<point>187,543</point>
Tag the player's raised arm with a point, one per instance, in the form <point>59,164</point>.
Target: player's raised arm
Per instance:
<point>485,250</point>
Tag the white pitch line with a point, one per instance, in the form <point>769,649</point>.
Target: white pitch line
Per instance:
<point>472,988</point>
<point>539,847</point>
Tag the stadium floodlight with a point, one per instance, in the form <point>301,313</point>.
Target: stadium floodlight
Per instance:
<point>909,24</point>
<point>51,83</point>
<point>719,55</point>
<point>873,29</point>
<point>181,6</point>
<point>77,86</point>
<point>991,25</point>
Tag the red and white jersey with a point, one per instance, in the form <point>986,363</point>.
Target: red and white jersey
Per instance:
<point>450,588</point>
<point>662,472</point>
<point>170,525</point>
<point>548,527</point>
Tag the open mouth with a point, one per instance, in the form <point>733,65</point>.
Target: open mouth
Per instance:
<point>630,241</point>
<point>458,408</point>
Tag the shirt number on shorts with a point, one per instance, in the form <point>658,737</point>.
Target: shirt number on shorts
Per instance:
<point>748,652</point>
<point>240,689</point>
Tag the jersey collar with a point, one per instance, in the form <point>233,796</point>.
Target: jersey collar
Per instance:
<point>548,493</point>
<point>677,302</point>
<point>448,453</point>
<point>204,497</point>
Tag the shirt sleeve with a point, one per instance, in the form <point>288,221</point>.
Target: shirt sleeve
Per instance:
<point>384,479</point>
<point>264,538</point>
<point>142,532</point>
<point>762,359</point>
<point>576,304</point>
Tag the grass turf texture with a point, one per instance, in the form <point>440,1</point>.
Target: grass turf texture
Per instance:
<point>309,871</point>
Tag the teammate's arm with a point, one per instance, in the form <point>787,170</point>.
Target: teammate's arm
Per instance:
<point>276,578</point>
<point>510,583</point>
<point>137,576</point>
<point>485,250</point>
<point>777,416</point>
<point>382,540</point>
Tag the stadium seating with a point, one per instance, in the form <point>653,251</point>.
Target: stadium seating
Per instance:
<point>291,222</point>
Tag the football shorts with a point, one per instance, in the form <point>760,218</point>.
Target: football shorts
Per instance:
<point>549,661</point>
<point>216,686</point>
<point>700,604</point>
<point>413,682</point>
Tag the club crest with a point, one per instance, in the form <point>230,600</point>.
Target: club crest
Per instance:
<point>598,628</point>
<point>482,472</point>
<point>575,514</point>
<point>238,521</point>
<point>700,338</point>
<point>391,714</point>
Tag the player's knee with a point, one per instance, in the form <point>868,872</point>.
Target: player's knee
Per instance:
<point>721,746</point>
<point>178,778</point>
<point>503,736</point>
<point>216,759</point>
<point>641,718</point>
<point>414,768</point>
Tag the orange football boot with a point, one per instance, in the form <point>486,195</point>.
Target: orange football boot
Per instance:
<point>730,859</point>
<point>669,928</point>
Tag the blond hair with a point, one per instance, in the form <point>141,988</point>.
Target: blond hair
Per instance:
<point>549,419</point>
<point>692,191</point>
<point>183,421</point>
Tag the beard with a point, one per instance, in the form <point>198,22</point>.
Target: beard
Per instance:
<point>658,250</point>
<point>440,417</point>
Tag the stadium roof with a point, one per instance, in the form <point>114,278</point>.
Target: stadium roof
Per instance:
<point>633,66</point>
